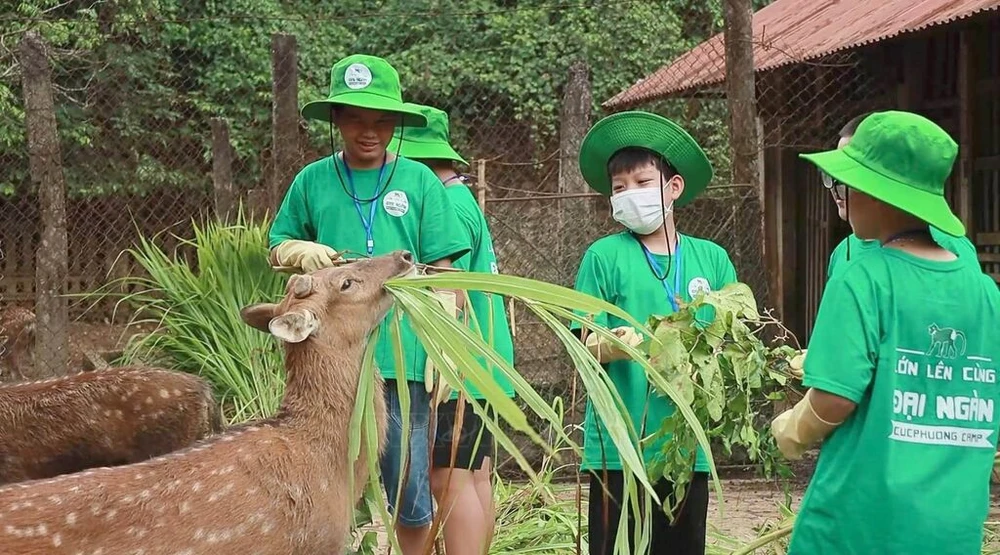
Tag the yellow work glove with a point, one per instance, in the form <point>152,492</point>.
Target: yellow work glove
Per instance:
<point>605,351</point>
<point>448,300</point>
<point>304,255</point>
<point>799,427</point>
<point>797,364</point>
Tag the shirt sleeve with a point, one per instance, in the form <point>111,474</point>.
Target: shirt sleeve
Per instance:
<point>727,272</point>
<point>592,279</point>
<point>468,215</point>
<point>292,220</point>
<point>843,349</point>
<point>442,233</point>
<point>835,257</point>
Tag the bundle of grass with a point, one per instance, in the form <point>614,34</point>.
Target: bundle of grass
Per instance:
<point>195,304</point>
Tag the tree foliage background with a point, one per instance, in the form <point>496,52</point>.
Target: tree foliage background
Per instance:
<point>138,80</point>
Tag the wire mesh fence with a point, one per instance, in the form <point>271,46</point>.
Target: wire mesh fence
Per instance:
<point>148,98</point>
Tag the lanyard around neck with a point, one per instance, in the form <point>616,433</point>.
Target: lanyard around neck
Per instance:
<point>673,293</point>
<point>370,222</point>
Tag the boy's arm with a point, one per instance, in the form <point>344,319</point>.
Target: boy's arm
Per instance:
<point>292,235</point>
<point>443,238</point>
<point>835,257</point>
<point>728,272</point>
<point>593,279</point>
<point>442,235</point>
<point>839,366</point>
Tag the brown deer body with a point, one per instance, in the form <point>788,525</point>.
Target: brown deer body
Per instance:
<point>102,418</point>
<point>277,487</point>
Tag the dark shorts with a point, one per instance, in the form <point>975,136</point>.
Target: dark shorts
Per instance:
<point>686,536</point>
<point>474,440</point>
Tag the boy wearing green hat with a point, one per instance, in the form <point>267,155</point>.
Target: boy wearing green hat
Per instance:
<point>461,481</point>
<point>852,245</point>
<point>901,367</point>
<point>650,166</point>
<point>367,201</point>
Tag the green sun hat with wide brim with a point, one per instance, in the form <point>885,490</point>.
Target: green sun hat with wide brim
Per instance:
<point>902,159</point>
<point>365,82</point>
<point>432,141</point>
<point>649,131</point>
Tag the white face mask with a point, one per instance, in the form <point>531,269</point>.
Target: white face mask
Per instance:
<point>640,210</point>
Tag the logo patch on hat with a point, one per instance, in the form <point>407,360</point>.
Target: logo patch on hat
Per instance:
<point>698,285</point>
<point>396,203</point>
<point>357,76</point>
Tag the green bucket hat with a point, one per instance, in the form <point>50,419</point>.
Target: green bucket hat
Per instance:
<point>430,141</point>
<point>365,82</point>
<point>902,159</point>
<point>650,131</point>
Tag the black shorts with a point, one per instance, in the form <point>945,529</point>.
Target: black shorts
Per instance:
<point>685,537</point>
<point>475,442</point>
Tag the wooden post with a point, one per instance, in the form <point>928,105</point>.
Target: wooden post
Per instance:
<point>284,115</point>
<point>742,100</point>
<point>967,100</point>
<point>481,184</point>
<point>574,122</point>
<point>45,163</point>
<point>222,170</point>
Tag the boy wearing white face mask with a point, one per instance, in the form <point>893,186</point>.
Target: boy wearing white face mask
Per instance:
<point>649,166</point>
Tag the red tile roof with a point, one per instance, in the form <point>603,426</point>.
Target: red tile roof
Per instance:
<point>793,31</point>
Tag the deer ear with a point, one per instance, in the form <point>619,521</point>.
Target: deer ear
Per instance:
<point>294,327</point>
<point>259,315</point>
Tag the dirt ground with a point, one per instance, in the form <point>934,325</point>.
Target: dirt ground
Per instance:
<point>748,504</point>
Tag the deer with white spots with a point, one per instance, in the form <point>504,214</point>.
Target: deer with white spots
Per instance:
<point>274,487</point>
<point>106,417</point>
<point>17,342</point>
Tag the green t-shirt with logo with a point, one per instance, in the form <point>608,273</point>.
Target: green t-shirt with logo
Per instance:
<point>482,258</point>
<point>961,247</point>
<point>616,270</point>
<point>915,343</point>
<point>413,213</point>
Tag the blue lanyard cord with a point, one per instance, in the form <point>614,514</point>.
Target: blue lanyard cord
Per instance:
<point>672,293</point>
<point>370,222</point>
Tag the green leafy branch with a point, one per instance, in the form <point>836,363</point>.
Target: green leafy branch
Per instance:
<point>711,353</point>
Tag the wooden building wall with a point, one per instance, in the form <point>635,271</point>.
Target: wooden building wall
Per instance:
<point>951,75</point>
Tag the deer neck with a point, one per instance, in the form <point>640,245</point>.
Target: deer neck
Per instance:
<point>323,375</point>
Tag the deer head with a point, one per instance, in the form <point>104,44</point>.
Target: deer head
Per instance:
<point>345,302</point>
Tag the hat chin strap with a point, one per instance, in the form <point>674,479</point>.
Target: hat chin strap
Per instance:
<point>392,172</point>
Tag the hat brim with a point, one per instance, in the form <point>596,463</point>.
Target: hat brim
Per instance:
<point>929,207</point>
<point>321,109</point>
<point>424,150</point>
<point>649,131</point>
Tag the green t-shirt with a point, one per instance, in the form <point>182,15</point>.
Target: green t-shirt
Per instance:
<point>915,343</point>
<point>483,259</point>
<point>413,213</point>
<point>616,270</point>
<point>961,247</point>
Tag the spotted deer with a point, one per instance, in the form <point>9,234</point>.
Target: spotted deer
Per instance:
<point>103,418</point>
<point>272,487</point>
<point>17,341</point>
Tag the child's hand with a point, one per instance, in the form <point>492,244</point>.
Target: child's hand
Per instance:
<point>796,364</point>
<point>605,351</point>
